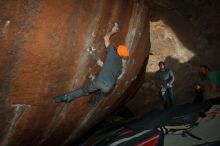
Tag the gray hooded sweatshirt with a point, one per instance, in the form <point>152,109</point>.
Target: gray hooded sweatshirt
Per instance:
<point>164,79</point>
<point>111,68</point>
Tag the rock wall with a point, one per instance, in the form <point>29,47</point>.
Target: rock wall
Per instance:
<point>51,47</point>
<point>185,34</point>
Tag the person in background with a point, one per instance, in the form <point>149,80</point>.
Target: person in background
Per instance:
<point>213,78</point>
<point>164,79</point>
<point>107,78</point>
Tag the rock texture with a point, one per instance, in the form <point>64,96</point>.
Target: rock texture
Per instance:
<point>51,47</point>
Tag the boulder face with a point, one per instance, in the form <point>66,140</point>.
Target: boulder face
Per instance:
<point>51,47</point>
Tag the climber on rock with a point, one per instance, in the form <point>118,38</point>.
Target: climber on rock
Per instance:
<point>107,78</point>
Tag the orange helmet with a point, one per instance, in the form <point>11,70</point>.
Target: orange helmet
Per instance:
<point>122,51</point>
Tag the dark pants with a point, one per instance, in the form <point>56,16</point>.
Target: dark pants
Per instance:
<point>95,86</point>
<point>199,96</point>
<point>167,97</point>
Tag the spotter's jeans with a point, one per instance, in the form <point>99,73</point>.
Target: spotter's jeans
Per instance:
<point>167,97</point>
